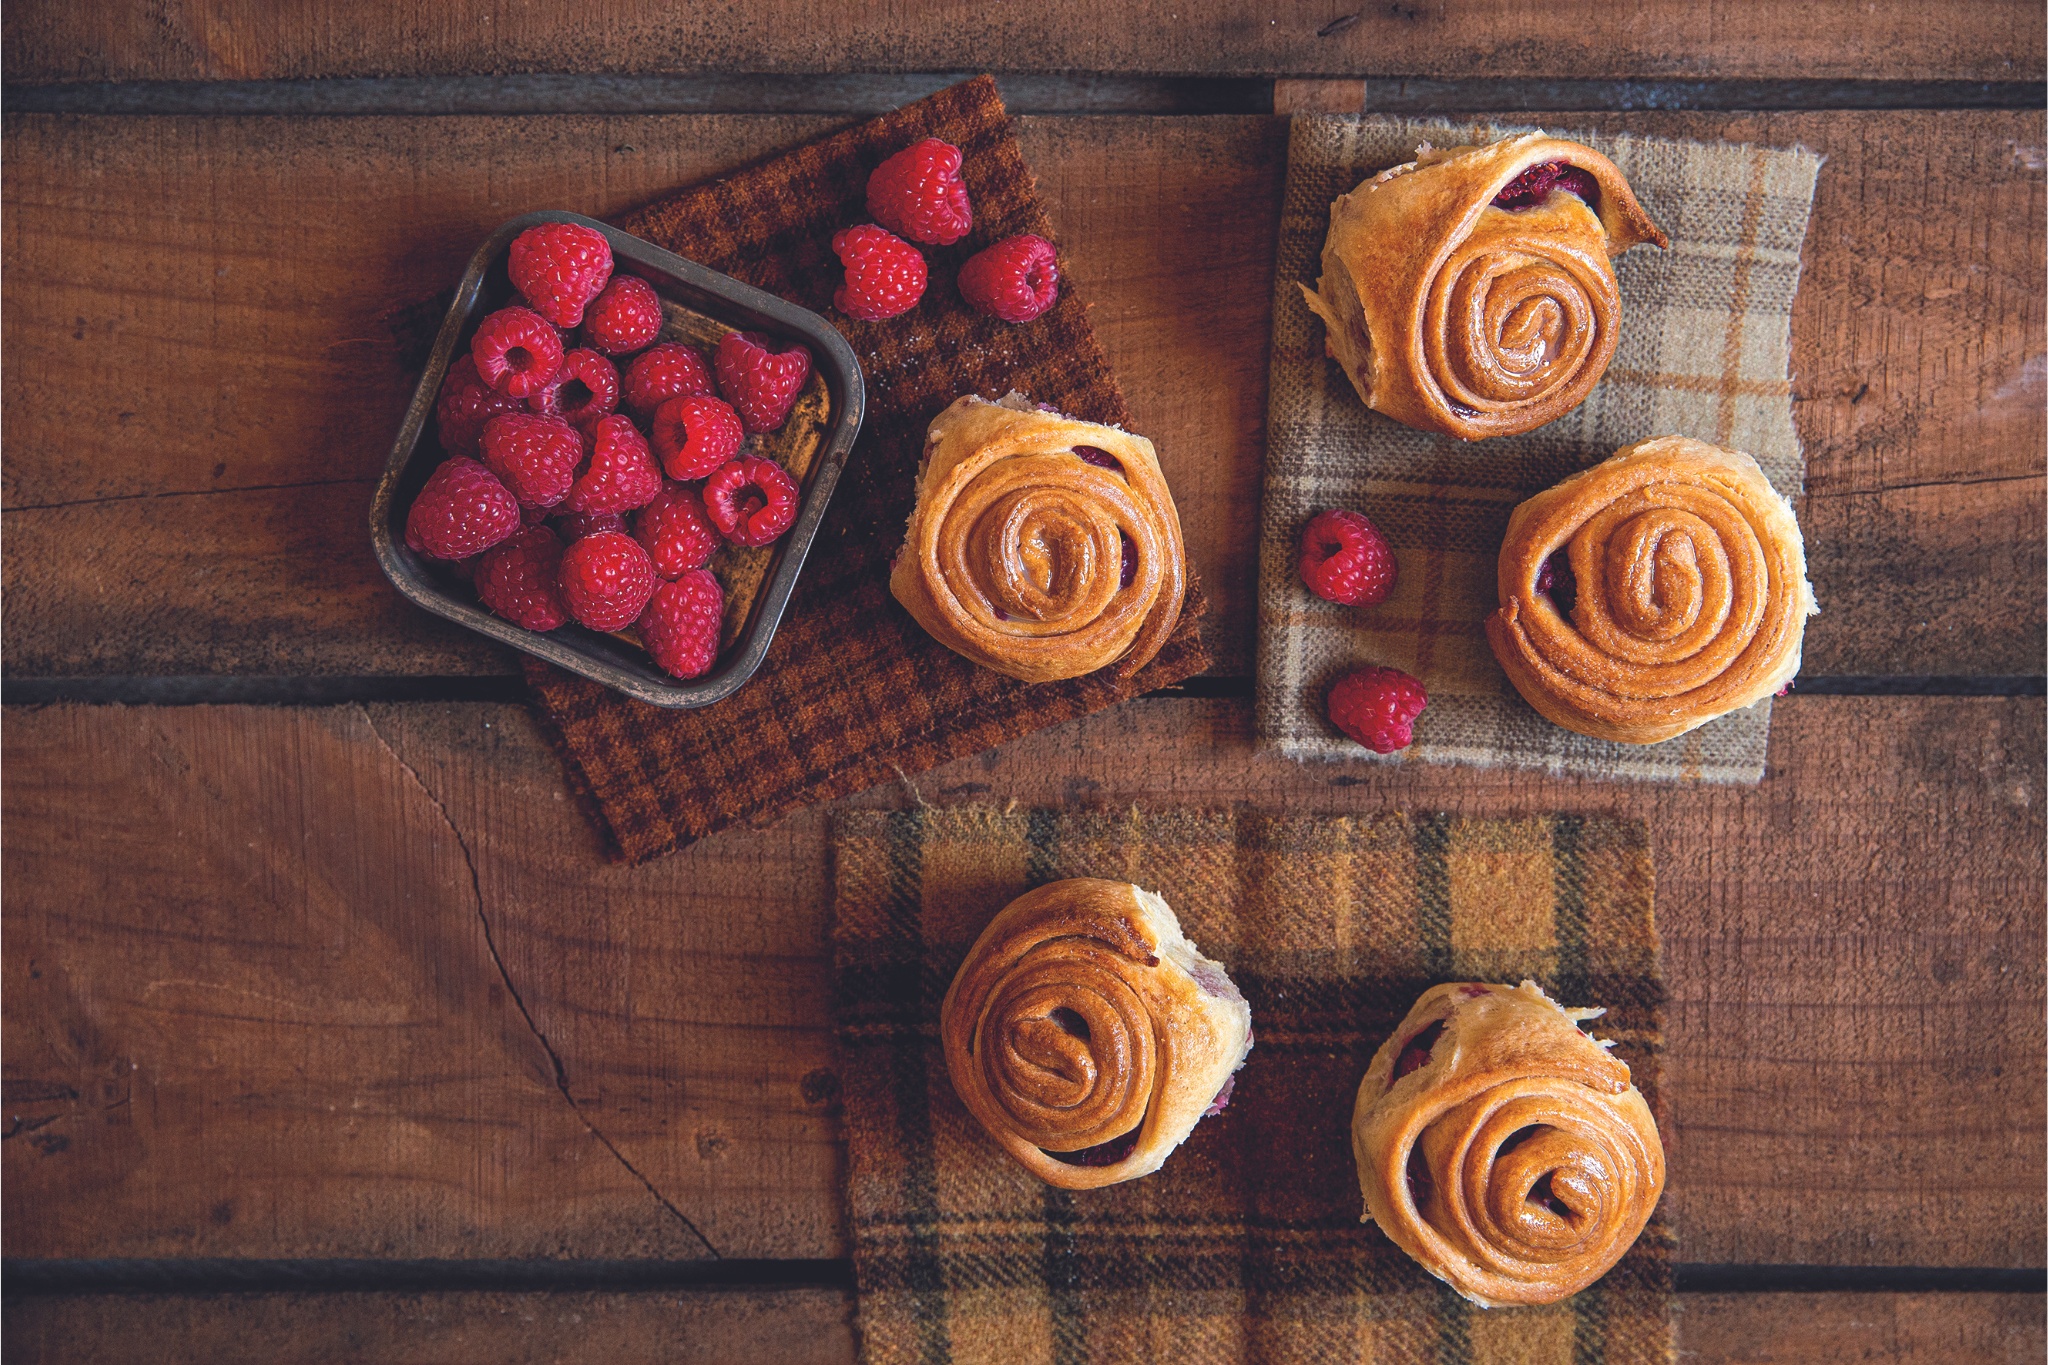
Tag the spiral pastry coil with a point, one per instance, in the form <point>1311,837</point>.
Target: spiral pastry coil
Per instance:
<point>1502,1148</point>
<point>1691,592</point>
<point>1454,314</point>
<point>1087,1035</point>
<point>1041,547</point>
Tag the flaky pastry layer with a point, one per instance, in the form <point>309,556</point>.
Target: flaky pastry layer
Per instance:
<point>1503,1148</point>
<point>1030,559</point>
<point>1082,1018</point>
<point>1451,314</point>
<point>1691,592</point>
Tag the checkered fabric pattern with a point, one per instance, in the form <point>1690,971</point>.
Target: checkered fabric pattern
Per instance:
<point>1704,351</point>
<point>1247,1245</point>
<point>853,692</point>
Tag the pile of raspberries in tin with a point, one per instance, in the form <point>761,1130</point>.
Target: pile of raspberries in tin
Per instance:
<point>593,470</point>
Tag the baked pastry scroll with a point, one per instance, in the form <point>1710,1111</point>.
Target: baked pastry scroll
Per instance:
<point>1690,588</point>
<point>1502,1148</point>
<point>1471,291</point>
<point>1041,547</point>
<point>1088,1036</point>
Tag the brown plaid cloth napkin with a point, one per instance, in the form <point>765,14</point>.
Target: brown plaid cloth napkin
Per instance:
<point>1705,344</point>
<point>1247,1245</point>
<point>853,691</point>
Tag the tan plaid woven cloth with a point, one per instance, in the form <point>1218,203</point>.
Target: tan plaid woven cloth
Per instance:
<point>1705,346</point>
<point>1247,1246</point>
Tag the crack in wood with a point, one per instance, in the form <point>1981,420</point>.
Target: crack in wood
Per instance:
<point>561,1072</point>
<point>184,493</point>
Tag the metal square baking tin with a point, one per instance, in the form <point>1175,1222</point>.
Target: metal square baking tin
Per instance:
<point>580,650</point>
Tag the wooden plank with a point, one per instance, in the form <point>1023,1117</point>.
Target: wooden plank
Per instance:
<point>401,1100</point>
<point>202,514</point>
<point>803,1327</point>
<point>243,39</point>
<point>251,1009</point>
<point>1848,1329</point>
<point>799,1327</point>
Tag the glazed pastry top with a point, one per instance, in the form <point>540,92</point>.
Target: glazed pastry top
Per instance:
<point>1502,1147</point>
<point>1087,1035</point>
<point>1691,598</point>
<point>1472,291</point>
<point>1041,546</point>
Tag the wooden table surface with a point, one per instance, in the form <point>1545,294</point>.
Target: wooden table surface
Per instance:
<point>329,1034</point>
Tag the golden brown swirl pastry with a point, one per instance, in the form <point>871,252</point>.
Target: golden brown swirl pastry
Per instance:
<point>1456,313</point>
<point>1690,591</point>
<point>1088,1036</point>
<point>1502,1148</point>
<point>1041,547</point>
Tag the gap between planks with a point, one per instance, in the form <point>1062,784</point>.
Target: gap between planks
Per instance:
<point>215,1275</point>
<point>1024,93</point>
<point>229,690</point>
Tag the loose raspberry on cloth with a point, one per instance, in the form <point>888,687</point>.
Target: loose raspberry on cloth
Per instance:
<point>918,194</point>
<point>885,275</point>
<point>1016,280</point>
<point>853,692</point>
<point>1345,559</point>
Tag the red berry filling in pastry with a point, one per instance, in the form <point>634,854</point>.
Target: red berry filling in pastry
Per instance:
<point>1534,185</point>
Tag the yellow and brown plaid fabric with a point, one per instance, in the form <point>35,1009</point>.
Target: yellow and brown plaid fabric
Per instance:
<point>853,691</point>
<point>1247,1245</point>
<point>1704,351</point>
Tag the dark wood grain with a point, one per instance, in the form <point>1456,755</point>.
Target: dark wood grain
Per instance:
<point>356,982</point>
<point>214,380</point>
<point>800,1327</point>
<point>240,39</point>
<point>814,1328</point>
<point>1850,1329</point>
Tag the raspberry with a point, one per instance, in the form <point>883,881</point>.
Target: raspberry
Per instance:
<point>670,370</point>
<point>918,194</point>
<point>885,275</point>
<point>584,389</point>
<point>751,500</point>
<point>461,374</point>
<point>694,436</point>
<point>1345,559</point>
<point>573,526</point>
<point>534,456</point>
<point>676,531</point>
<point>517,578</point>
<point>532,516</point>
<point>625,317</point>
<point>1377,707</point>
<point>1533,186</point>
<point>1556,581</point>
<point>761,383</point>
<point>516,351</point>
<point>560,268</point>
<point>1016,279</point>
<point>466,403</point>
<point>680,626</point>
<point>1414,1054</point>
<point>621,473</point>
<point>463,510</point>
<point>1102,1153</point>
<point>606,580</point>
